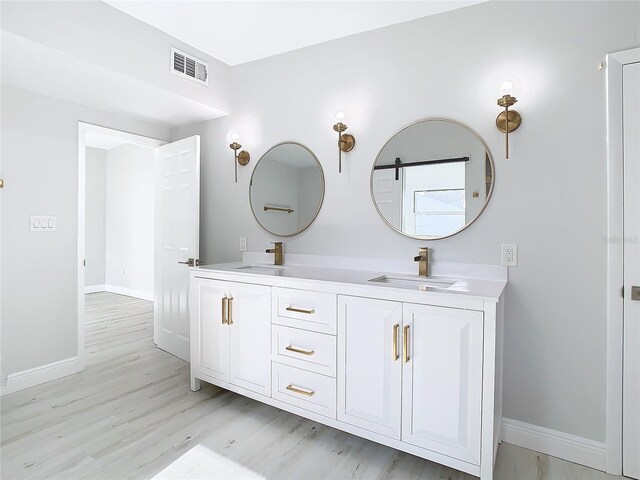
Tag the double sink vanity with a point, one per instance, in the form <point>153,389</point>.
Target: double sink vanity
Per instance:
<point>384,350</point>
<point>410,362</point>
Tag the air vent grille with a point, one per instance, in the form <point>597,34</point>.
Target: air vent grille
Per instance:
<point>190,67</point>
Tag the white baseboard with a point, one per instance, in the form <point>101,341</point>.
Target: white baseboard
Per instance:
<point>42,374</point>
<point>557,444</point>
<point>129,292</point>
<point>94,288</point>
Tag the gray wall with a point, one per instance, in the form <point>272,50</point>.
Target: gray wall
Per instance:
<point>130,218</point>
<point>39,270</point>
<point>138,50</point>
<point>95,216</point>
<point>550,197</point>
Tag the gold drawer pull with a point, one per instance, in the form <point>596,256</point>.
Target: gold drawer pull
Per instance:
<point>303,391</point>
<point>300,310</point>
<point>303,351</point>
<point>396,355</point>
<point>225,309</point>
<point>405,344</point>
<point>230,311</point>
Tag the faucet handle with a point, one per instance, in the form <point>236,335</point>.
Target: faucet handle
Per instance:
<point>422,252</point>
<point>277,244</point>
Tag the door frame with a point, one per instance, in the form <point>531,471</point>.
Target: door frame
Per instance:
<point>615,255</point>
<point>132,138</point>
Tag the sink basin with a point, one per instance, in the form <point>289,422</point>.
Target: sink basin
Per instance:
<point>264,269</point>
<point>412,282</point>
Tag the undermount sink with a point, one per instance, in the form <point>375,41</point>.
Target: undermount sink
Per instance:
<point>264,269</point>
<point>412,282</point>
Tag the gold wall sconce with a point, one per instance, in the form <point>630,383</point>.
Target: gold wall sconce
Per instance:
<point>241,158</point>
<point>346,141</point>
<point>509,120</point>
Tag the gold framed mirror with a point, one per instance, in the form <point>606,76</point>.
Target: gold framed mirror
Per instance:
<point>287,189</point>
<point>432,179</point>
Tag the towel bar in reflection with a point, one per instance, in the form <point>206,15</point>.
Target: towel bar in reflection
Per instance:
<point>278,209</point>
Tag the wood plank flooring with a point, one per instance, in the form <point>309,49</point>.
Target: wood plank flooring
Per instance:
<point>131,414</point>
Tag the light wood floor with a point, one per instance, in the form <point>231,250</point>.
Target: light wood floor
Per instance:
<point>131,414</point>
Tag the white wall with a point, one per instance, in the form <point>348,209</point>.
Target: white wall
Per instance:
<point>550,197</point>
<point>130,220</point>
<point>39,270</point>
<point>138,50</point>
<point>95,216</point>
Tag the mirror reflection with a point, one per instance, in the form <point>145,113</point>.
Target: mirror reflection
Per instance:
<point>432,179</point>
<point>287,189</point>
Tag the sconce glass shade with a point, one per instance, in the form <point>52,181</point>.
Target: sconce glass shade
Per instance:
<point>340,117</point>
<point>506,88</point>
<point>233,137</point>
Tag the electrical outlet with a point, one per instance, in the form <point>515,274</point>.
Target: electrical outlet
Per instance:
<point>243,244</point>
<point>509,255</point>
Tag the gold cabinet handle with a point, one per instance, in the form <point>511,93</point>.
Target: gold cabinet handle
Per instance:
<point>303,351</point>
<point>303,391</point>
<point>300,310</point>
<point>405,343</point>
<point>225,319</point>
<point>230,311</point>
<point>396,355</point>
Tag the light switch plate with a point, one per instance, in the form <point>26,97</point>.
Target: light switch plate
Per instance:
<point>43,223</point>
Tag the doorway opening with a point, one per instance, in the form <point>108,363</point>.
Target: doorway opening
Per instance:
<point>115,222</point>
<point>138,230</point>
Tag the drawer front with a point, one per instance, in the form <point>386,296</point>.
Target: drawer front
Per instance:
<point>304,349</point>
<point>315,311</point>
<point>307,390</point>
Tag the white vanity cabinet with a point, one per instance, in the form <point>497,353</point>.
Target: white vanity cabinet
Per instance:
<point>369,365</point>
<point>442,380</point>
<point>231,324</point>
<point>416,370</point>
<point>412,372</point>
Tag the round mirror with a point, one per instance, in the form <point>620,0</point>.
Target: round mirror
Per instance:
<point>432,179</point>
<point>287,189</point>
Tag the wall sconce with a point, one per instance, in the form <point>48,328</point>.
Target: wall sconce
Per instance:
<point>509,120</point>
<point>346,141</point>
<point>241,158</point>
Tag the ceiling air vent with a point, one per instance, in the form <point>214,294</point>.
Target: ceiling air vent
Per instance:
<point>190,67</point>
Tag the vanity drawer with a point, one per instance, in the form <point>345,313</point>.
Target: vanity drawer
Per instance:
<point>304,349</point>
<point>315,311</point>
<point>303,389</point>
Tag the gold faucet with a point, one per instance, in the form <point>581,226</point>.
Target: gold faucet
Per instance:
<point>423,258</point>
<point>277,249</point>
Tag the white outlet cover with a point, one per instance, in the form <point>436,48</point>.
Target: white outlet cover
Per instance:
<point>243,244</point>
<point>509,255</point>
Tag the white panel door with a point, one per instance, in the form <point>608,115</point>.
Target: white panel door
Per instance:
<point>177,230</point>
<point>442,380</point>
<point>631,379</point>
<point>250,337</point>
<point>369,367</point>
<point>387,192</point>
<point>210,353</point>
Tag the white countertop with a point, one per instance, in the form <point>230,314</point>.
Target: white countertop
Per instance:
<point>472,288</point>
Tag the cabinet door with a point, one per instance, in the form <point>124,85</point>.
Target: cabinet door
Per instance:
<point>250,337</point>
<point>369,371</point>
<point>442,380</point>
<point>209,336</point>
